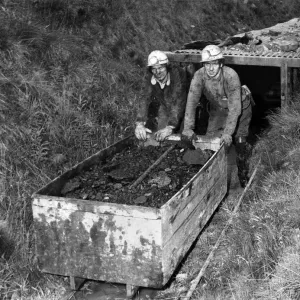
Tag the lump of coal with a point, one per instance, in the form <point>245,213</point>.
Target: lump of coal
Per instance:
<point>110,167</point>
<point>71,186</point>
<point>140,200</point>
<point>195,157</point>
<point>121,175</point>
<point>161,179</point>
<point>151,142</point>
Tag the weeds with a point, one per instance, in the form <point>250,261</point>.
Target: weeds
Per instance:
<point>260,255</point>
<point>70,75</point>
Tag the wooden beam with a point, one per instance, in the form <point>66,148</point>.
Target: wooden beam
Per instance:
<point>183,57</point>
<point>294,80</point>
<point>72,283</point>
<point>284,79</point>
<point>243,59</point>
<point>42,202</point>
<point>284,61</point>
<point>262,61</point>
<point>131,290</point>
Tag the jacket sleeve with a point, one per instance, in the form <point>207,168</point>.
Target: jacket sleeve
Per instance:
<point>178,96</point>
<point>144,102</point>
<point>194,95</point>
<point>233,87</point>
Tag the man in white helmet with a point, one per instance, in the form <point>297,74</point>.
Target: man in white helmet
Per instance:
<point>229,108</point>
<point>161,109</point>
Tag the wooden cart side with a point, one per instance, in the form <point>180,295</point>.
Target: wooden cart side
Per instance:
<point>88,240</point>
<point>72,204</point>
<point>55,186</point>
<point>187,212</point>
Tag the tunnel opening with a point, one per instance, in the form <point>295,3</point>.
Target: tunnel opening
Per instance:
<point>265,86</point>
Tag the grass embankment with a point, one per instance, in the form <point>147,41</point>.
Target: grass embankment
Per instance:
<point>259,258</point>
<point>71,74</point>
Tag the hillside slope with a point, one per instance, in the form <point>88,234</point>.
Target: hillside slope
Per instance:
<point>70,75</point>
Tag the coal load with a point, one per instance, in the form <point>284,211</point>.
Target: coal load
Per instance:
<point>111,181</point>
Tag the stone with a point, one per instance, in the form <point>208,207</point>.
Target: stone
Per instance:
<point>121,174</point>
<point>287,45</point>
<point>195,157</point>
<point>262,49</point>
<point>181,277</point>
<point>151,142</point>
<point>140,200</point>
<point>161,179</point>
<point>112,166</point>
<point>273,32</point>
<point>70,186</point>
<point>99,196</point>
<point>118,186</point>
<point>84,196</point>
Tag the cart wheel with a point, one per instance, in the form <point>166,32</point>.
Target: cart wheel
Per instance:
<point>131,290</point>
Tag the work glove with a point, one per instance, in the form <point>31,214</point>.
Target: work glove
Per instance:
<point>141,131</point>
<point>161,134</point>
<point>189,133</point>
<point>226,138</point>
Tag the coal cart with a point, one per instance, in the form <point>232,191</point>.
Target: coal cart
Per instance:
<point>129,244</point>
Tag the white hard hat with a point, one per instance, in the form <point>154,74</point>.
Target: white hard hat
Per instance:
<point>157,58</point>
<point>210,53</point>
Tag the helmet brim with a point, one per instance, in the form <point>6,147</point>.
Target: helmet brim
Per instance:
<point>214,59</point>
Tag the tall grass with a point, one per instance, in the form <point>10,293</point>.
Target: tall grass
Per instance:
<point>259,258</point>
<point>70,75</point>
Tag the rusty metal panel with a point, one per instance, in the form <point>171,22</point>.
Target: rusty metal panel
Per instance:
<point>100,243</point>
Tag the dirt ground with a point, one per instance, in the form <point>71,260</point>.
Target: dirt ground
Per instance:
<point>114,181</point>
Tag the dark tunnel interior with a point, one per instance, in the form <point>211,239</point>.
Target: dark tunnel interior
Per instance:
<point>264,84</point>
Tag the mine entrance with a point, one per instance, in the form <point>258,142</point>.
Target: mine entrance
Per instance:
<point>264,84</point>
<point>271,77</point>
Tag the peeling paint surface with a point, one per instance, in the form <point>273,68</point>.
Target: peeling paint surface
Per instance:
<point>92,240</point>
<point>98,246</point>
<point>117,243</point>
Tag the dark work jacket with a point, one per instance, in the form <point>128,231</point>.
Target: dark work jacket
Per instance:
<point>166,105</point>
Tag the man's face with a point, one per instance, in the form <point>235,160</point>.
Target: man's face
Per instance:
<point>159,71</point>
<point>212,68</point>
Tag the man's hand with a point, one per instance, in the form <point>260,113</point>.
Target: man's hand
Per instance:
<point>189,133</point>
<point>160,135</point>
<point>226,138</point>
<point>141,131</point>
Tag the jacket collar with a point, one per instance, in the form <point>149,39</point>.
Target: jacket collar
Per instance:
<point>162,84</point>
